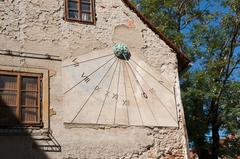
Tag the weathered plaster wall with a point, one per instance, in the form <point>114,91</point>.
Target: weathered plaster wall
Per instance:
<point>38,26</point>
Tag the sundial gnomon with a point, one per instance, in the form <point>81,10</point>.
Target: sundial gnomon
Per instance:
<point>103,87</point>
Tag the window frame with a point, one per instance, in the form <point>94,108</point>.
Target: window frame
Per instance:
<point>19,76</point>
<point>79,20</point>
<point>45,92</point>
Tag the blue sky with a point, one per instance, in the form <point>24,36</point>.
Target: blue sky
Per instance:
<point>213,6</point>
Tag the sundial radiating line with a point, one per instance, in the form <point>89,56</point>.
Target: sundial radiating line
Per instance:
<point>87,60</point>
<point>118,82</point>
<point>109,86</point>
<point>135,98</point>
<point>89,75</point>
<point>155,94</point>
<point>125,89</point>
<point>93,91</point>
<point>139,85</point>
<point>152,76</point>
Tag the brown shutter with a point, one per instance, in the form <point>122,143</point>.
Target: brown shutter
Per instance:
<point>29,99</point>
<point>8,99</point>
<point>20,95</point>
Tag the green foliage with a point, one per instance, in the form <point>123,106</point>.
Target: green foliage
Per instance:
<point>211,88</point>
<point>172,16</point>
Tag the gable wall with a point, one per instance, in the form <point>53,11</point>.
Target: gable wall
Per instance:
<point>38,26</point>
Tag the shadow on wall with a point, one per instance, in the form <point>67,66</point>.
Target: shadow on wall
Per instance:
<point>19,142</point>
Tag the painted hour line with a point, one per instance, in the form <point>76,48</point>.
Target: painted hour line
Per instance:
<point>154,93</point>
<point>159,81</point>
<point>117,95</point>
<point>134,94</point>
<point>119,92</point>
<point>76,63</point>
<point>109,86</point>
<point>126,101</point>
<point>93,91</point>
<point>143,92</point>
<point>140,86</point>
<point>90,74</point>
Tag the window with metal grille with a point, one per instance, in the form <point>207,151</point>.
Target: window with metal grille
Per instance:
<point>80,11</point>
<point>20,98</point>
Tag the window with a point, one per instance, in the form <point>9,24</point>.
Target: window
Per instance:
<point>20,98</point>
<point>79,10</point>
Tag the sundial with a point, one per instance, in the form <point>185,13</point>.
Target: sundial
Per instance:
<point>114,86</point>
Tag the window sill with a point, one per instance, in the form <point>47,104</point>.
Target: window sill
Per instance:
<point>33,131</point>
<point>79,21</point>
<point>22,125</point>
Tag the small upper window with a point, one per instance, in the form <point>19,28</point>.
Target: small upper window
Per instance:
<point>79,10</point>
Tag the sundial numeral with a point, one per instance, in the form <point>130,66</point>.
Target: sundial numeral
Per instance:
<point>115,96</point>
<point>86,78</point>
<point>126,102</point>
<point>97,88</point>
<point>75,62</point>
<point>137,81</point>
<point>107,93</point>
<point>145,95</point>
<point>159,81</point>
<point>22,61</point>
<point>152,90</point>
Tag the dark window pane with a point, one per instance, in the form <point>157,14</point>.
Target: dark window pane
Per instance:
<point>29,114</point>
<point>8,98</point>
<point>8,82</point>
<point>86,17</point>
<point>86,7</point>
<point>29,83</point>
<point>73,5</point>
<point>73,15</point>
<point>29,99</point>
<point>8,115</point>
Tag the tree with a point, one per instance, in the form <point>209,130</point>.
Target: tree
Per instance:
<point>210,35</point>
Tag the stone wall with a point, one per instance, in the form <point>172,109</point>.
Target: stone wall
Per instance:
<point>38,26</point>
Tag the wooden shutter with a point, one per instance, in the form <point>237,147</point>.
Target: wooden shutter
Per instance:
<point>30,99</point>
<point>8,99</point>
<point>20,95</point>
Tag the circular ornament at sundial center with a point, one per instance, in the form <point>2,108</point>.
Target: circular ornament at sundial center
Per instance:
<point>122,51</point>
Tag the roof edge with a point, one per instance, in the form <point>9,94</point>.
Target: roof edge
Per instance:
<point>183,60</point>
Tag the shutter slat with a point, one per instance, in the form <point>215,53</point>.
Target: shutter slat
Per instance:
<point>29,98</point>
